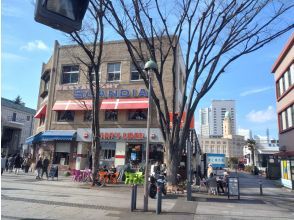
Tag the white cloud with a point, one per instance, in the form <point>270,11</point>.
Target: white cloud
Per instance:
<point>262,116</point>
<point>35,45</point>
<point>10,11</point>
<point>254,91</point>
<point>13,57</point>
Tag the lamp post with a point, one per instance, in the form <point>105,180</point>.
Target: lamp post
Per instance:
<point>149,67</point>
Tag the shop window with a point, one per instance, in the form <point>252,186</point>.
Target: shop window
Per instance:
<point>65,116</point>
<point>138,115</point>
<point>88,116</point>
<point>61,158</point>
<point>107,154</point>
<point>111,115</point>
<point>113,72</point>
<point>70,74</point>
<point>135,75</point>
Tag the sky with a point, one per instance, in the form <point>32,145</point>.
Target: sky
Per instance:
<point>25,45</point>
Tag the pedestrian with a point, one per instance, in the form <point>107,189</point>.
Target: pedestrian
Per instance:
<point>6,164</point>
<point>45,166</point>
<point>17,163</point>
<point>3,163</point>
<point>10,163</point>
<point>209,170</point>
<point>39,168</point>
<point>26,164</point>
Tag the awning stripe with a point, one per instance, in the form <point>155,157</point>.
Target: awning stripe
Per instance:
<point>41,111</point>
<point>106,104</point>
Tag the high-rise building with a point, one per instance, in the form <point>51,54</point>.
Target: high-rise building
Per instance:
<point>211,119</point>
<point>205,116</point>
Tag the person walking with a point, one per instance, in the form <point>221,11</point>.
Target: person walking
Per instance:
<point>39,168</point>
<point>26,164</point>
<point>17,163</point>
<point>45,166</point>
<point>10,163</point>
<point>3,163</point>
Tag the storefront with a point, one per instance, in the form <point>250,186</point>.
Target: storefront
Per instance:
<point>287,173</point>
<point>119,146</point>
<point>59,146</point>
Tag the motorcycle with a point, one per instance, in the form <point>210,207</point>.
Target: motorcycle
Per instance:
<point>157,181</point>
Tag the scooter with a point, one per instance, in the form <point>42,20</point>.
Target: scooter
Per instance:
<point>157,181</point>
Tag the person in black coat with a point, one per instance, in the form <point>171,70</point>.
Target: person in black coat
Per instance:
<point>39,166</point>
<point>17,163</point>
<point>45,166</point>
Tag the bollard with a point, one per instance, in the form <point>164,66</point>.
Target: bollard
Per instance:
<point>135,196</point>
<point>132,198</point>
<point>159,199</point>
<point>260,187</point>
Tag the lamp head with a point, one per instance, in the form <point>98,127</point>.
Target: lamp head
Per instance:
<point>150,65</point>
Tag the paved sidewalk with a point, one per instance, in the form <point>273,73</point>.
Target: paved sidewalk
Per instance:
<point>23,197</point>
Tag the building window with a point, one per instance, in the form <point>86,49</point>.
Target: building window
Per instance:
<point>113,72</point>
<point>135,75</point>
<point>28,118</point>
<point>65,116</point>
<point>286,118</point>
<point>286,81</point>
<point>14,117</point>
<point>88,116</point>
<point>138,115</point>
<point>111,115</point>
<point>70,74</point>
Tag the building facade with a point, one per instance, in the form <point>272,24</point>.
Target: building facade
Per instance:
<point>283,70</point>
<point>205,117</point>
<point>62,130</point>
<point>228,144</point>
<point>211,119</point>
<point>16,125</point>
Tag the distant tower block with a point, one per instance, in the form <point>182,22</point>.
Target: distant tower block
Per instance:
<point>227,125</point>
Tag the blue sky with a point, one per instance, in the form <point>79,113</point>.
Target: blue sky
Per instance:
<point>27,44</point>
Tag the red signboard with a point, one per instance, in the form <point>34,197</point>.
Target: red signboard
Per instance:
<point>125,136</point>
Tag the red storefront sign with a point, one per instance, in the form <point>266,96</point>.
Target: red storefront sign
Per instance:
<point>124,136</point>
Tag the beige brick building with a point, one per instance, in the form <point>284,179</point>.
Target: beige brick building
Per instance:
<point>62,129</point>
<point>228,144</point>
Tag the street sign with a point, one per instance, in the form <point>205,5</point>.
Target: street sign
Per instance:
<point>233,187</point>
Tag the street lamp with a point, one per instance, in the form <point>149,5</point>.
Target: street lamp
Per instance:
<point>149,67</point>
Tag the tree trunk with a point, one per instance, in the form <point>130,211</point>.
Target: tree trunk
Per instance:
<point>172,163</point>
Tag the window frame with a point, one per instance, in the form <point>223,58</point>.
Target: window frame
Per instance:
<point>64,112</point>
<point>111,111</point>
<point>69,72</point>
<point>115,72</point>
<point>134,70</point>
<point>88,116</point>
<point>137,111</point>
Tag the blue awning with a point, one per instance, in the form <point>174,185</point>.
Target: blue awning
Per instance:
<point>58,135</point>
<point>34,138</point>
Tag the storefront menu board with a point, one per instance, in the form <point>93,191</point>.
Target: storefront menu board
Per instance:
<point>233,187</point>
<point>53,172</point>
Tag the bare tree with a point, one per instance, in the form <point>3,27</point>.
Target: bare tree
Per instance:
<point>213,34</point>
<point>90,39</point>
